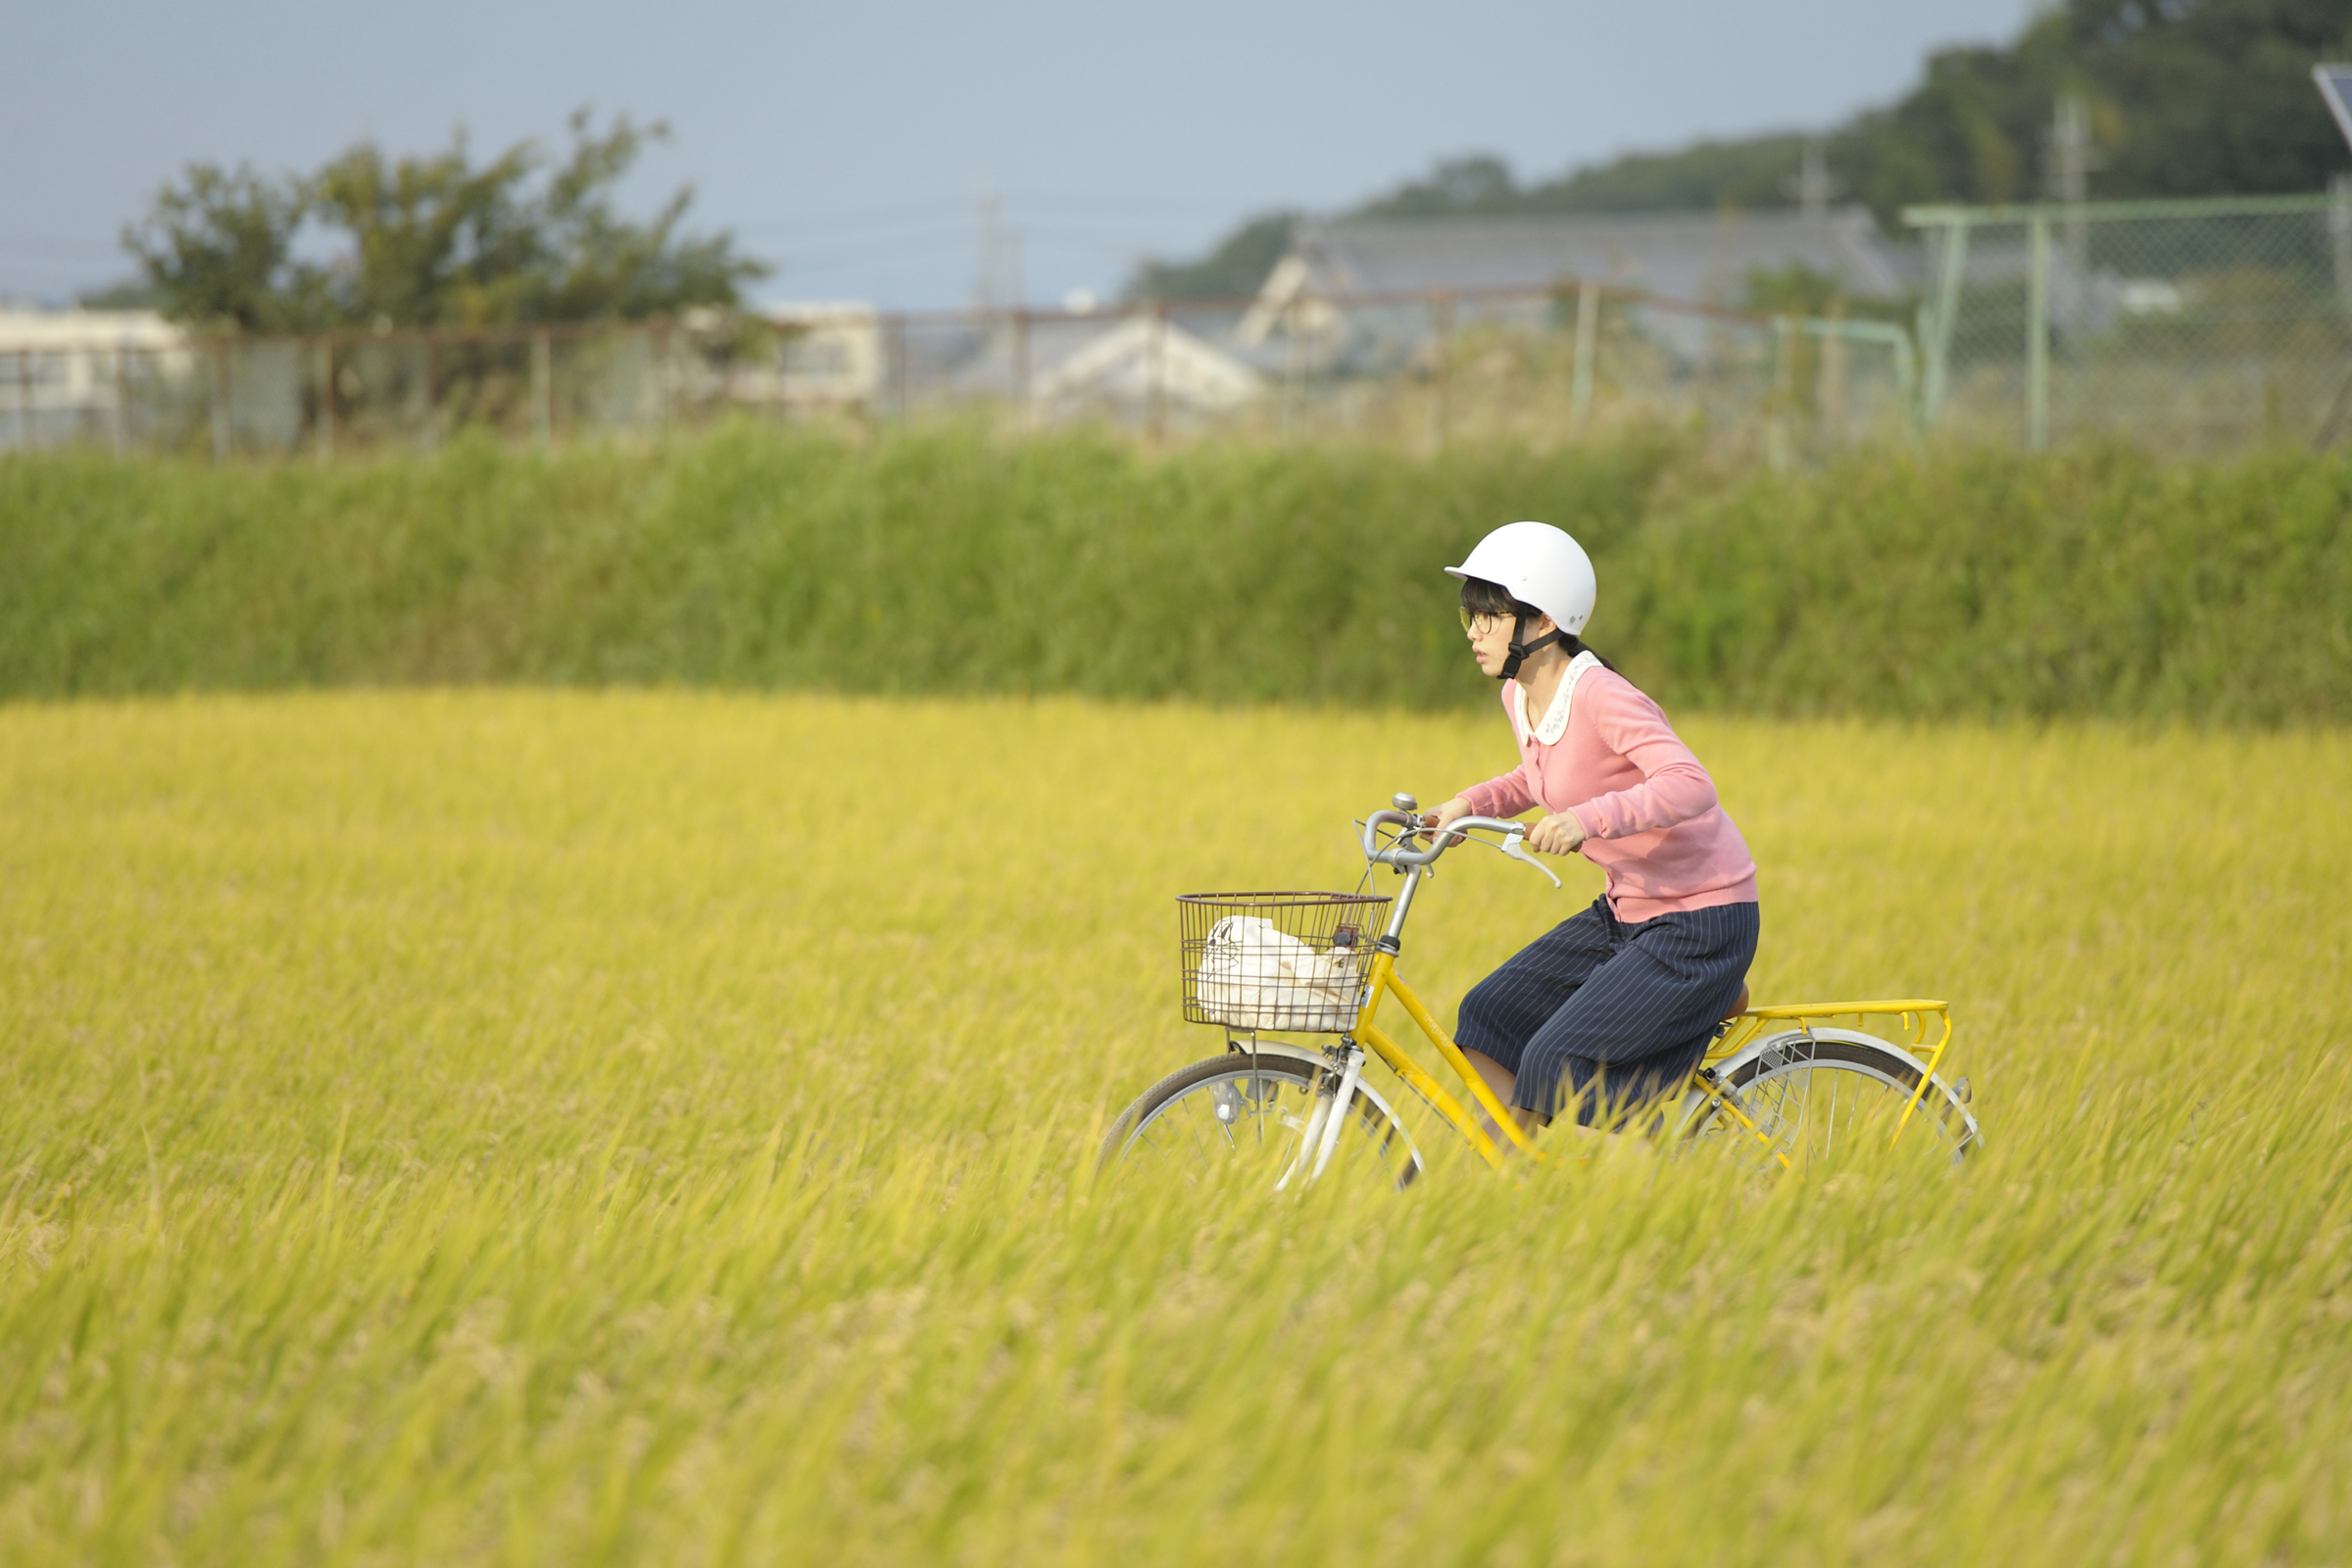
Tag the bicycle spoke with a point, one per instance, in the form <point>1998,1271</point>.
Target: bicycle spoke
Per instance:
<point>1863,1085</point>
<point>1174,1131</point>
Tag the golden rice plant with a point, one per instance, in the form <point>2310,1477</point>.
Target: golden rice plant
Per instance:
<point>510,1127</point>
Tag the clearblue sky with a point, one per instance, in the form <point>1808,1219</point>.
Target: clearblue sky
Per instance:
<point>849,143</point>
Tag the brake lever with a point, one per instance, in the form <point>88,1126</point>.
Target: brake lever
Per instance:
<point>1514,845</point>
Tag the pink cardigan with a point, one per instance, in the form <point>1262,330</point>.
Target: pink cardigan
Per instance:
<point>1646,805</point>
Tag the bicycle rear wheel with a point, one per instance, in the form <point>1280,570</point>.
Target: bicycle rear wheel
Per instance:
<point>1240,1112</point>
<point>1812,1094</point>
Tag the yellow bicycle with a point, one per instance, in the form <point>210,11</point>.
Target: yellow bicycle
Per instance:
<point>1785,1084</point>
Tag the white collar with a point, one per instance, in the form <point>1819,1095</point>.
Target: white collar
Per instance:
<point>1555,721</point>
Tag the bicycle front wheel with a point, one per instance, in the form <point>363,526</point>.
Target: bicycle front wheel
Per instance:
<point>1252,1113</point>
<point>1810,1095</point>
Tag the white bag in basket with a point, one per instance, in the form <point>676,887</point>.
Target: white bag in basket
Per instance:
<point>1255,976</point>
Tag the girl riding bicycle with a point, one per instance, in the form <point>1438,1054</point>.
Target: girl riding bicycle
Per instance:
<point>1617,1004</point>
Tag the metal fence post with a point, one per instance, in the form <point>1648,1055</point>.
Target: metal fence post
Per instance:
<point>1019,321</point>
<point>432,393</point>
<point>1588,336</point>
<point>1906,381</point>
<point>2339,245</point>
<point>1159,371</point>
<point>122,397</point>
<point>658,357</point>
<point>24,400</point>
<point>784,374</point>
<point>2037,332</point>
<point>322,373</point>
<point>220,409</point>
<point>1828,379</point>
<point>1784,390</point>
<point>1441,321</point>
<point>1294,370</point>
<point>2339,237</point>
<point>543,391</point>
<point>898,368</point>
<point>1943,315</point>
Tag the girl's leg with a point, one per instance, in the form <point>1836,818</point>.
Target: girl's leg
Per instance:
<point>1662,994</point>
<point>1503,1081</point>
<point>1508,1007</point>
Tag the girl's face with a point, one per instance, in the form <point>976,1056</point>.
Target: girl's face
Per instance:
<point>1491,640</point>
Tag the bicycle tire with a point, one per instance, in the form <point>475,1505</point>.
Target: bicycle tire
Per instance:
<point>1255,1106</point>
<point>1778,1077</point>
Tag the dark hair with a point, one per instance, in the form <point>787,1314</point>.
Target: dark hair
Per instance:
<point>1483,598</point>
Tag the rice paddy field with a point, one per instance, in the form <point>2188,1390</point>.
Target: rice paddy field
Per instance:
<point>520,1127</point>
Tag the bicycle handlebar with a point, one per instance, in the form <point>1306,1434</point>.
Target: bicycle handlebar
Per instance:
<point>1441,840</point>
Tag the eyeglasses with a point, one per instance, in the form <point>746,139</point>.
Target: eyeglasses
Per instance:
<point>1482,621</point>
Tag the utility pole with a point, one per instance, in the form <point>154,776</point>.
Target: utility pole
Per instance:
<point>984,260</point>
<point>1814,185</point>
<point>998,289</point>
<point>2067,171</point>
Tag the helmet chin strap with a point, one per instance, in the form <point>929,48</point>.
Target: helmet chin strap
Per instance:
<point>1521,648</point>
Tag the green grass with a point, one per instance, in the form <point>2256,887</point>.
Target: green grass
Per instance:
<point>510,1127</point>
<point>1947,584</point>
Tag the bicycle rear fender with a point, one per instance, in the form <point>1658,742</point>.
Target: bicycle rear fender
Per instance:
<point>1790,1045</point>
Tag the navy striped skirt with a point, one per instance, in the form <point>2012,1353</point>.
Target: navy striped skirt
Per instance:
<point>1606,1013</point>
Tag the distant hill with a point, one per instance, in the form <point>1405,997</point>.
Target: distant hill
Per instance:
<point>2186,98</point>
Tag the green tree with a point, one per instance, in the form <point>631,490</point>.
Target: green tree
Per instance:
<point>2187,98</point>
<point>433,241</point>
<point>1756,173</point>
<point>2215,96</point>
<point>219,249</point>
<point>1457,187</point>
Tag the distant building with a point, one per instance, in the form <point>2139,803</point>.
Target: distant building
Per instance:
<point>1070,364</point>
<point>1699,258</point>
<point>71,375</point>
<point>1705,257</point>
<point>1129,365</point>
<point>830,356</point>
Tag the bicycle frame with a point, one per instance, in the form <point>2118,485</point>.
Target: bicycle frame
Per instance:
<point>1705,1090</point>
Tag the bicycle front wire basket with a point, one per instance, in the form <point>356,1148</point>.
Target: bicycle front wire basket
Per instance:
<point>1277,960</point>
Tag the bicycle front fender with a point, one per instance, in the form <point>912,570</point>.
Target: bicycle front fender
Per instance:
<point>1283,1048</point>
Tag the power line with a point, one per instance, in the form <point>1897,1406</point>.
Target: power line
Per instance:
<point>916,212</point>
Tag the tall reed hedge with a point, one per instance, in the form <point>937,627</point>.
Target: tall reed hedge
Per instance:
<point>1940,584</point>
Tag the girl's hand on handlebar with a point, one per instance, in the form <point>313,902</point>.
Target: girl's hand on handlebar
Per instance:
<point>1556,835</point>
<point>1447,815</point>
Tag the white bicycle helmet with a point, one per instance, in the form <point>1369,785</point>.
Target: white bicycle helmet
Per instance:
<point>1537,565</point>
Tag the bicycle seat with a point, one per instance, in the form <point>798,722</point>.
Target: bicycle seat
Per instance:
<point>1739,1003</point>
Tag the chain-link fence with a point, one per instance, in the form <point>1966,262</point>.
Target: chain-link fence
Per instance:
<point>280,395</point>
<point>2192,327</point>
<point>2187,325</point>
<point>1419,369</point>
